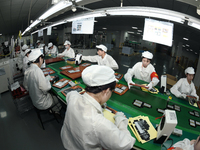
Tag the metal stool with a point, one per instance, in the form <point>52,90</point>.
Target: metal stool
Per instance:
<point>38,111</point>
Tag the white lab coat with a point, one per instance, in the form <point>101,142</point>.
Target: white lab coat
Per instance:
<point>106,61</point>
<point>85,127</point>
<point>140,72</point>
<point>38,87</point>
<point>53,51</point>
<point>68,53</point>
<point>183,87</point>
<point>41,46</point>
<point>185,145</point>
<point>25,63</point>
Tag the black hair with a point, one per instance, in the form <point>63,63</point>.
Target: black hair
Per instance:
<point>98,89</point>
<point>28,53</point>
<point>147,58</point>
<point>99,49</point>
<point>38,59</point>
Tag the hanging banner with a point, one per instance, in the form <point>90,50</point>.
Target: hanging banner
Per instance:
<point>49,29</point>
<point>40,33</point>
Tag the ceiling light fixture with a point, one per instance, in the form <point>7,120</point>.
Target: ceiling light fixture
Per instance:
<point>130,32</point>
<point>187,45</point>
<point>73,8</point>
<point>139,30</point>
<point>186,39</point>
<point>183,45</point>
<point>134,27</point>
<point>104,28</point>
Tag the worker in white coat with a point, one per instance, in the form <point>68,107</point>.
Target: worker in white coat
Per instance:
<point>25,59</point>
<point>186,144</point>
<point>68,52</point>
<point>102,58</point>
<point>37,85</point>
<point>85,127</point>
<point>144,71</point>
<point>24,48</point>
<point>53,50</point>
<point>185,86</point>
<point>39,45</point>
<point>19,62</point>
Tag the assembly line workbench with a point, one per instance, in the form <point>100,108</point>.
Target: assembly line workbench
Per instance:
<point>157,101</point>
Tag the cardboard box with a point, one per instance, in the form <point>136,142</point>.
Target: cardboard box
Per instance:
<point>171,80</point>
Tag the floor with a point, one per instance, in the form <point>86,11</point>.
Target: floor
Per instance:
<point>24,132</point>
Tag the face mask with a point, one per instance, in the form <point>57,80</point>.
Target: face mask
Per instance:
<point>66,47</point>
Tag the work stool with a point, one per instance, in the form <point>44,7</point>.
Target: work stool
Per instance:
<point>39,112</point>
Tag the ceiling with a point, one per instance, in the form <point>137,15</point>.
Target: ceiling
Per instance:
<point>15,15</point>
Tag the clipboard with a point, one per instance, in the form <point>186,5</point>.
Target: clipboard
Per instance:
<point>47,71</point>
<point>52,60</point>
<point>120,89</point>
<point>118,76</point>
<point>65,67</point>
<point>61,83</point>
<point>73,73</point>
<point>77,88</point>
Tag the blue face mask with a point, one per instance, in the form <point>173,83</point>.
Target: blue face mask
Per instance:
<point>67,47</point>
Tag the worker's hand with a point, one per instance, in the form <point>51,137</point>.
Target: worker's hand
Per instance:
<point>48,77</point>
<point>192,142</point>
<point>119,118</point>
<point>129,86</point>
<point>183,96</point>
<point>197,98</point>
<point>60,56</point>
<point>149,86</point>
<point>104,105</point>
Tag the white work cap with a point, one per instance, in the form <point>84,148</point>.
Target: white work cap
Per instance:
<point>24,47</point>
<point>67,42</point>
<point>189,70</point>
<point>26,51</point>
<point>102,47</point>
<point>147,54</point>
<point>6,43</point>
<point>34,54</point>
<point>50,44</point>
<point>97,75</point>
<point>38,41</point>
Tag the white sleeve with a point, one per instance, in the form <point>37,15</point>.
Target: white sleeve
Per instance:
<point>43,83</point>
<point>185,144</point>
<point>193,93</point>
<point>113,64</point>
<point>63,53</point>
<point>25,83</point>
<point>90,58</point>
<point>106,131</point>
<point>155,81</point>
<point>128,76</point>
<point>174,90</point>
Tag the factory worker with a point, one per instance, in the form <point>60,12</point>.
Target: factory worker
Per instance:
<point>185,86</point>
<point>39,45</point>
<point>25,59</point>
<point>186,144</point>
<point>68,52</point>
<point>102,58</point>
<point>36,83</point>
<point>144,71</point>
<point>19,62</point>
<point>85,126</point>
<point>24,47</point>
<point>52,49</point>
